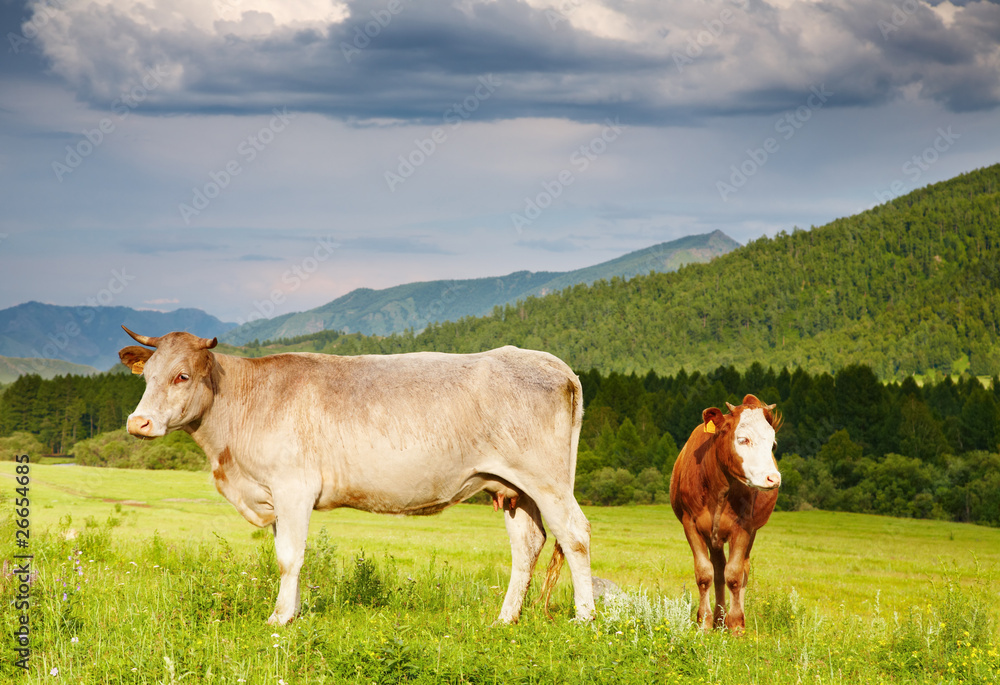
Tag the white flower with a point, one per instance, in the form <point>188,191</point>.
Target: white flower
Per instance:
<point>54,671</point>
<point>75,639</point>
<point>275,635</point>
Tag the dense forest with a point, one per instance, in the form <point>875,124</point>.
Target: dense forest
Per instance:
<point>909,287</point>
<point>849,441</point>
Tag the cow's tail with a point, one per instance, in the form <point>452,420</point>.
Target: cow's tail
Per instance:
<point>551,578</point>
<point>575,392</point>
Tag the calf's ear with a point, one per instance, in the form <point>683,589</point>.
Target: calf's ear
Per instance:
<point>713,419</point>
<point>134,357</point>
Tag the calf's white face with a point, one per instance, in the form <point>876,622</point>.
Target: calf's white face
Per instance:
<point>753,441</point>
<point>178,390</point>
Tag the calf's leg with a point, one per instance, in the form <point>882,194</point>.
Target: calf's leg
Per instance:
<point>704,572</point>
<point>527,536</point>
<point>737,574</point>
<point>719,576</point>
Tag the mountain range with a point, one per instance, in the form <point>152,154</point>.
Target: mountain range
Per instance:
<point>53,340</point>
<point>37,333</point>
<point>416,305</point>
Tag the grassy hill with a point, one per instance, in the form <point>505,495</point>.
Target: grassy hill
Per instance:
<point>908,287</point>
<point>13,367</point>
<point>415,305</point>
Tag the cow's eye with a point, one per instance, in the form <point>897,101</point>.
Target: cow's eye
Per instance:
<point>181,378</point>
<point>743,441</point>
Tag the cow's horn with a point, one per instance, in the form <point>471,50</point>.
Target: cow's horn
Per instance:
<point>770,407</point>
<point>143,339</point>
<point>730,407</point>
<point>207,344</point>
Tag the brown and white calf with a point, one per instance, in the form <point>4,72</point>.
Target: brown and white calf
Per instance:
<point>723,489</point>
<point>394,434</point>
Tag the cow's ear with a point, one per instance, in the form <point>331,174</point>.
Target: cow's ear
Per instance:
<point>134,357</point>
<point>713,419</point>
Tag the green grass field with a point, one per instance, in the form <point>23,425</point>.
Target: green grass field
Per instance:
<point>151,576</point>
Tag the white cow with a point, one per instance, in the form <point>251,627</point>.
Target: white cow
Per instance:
<point>395,434</point>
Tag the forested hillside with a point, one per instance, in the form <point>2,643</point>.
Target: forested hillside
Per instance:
<point>909,287</point>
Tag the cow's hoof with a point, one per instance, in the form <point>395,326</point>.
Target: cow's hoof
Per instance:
<point>276,620</point>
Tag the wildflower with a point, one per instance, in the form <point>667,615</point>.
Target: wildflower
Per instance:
<point>74,639</point>
<point>64,596</point>
<point>54,671</point>
<point>275,635</point>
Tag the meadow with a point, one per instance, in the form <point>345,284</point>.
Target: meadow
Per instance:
<point>152,577</point>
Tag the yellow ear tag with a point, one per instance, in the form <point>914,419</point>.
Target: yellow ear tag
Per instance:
<point>137,367</point>
<point>709,427</point>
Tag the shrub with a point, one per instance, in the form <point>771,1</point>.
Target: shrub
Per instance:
<point>118,449</point>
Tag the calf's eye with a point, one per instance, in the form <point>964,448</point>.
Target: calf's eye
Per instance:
<point>181,378</point>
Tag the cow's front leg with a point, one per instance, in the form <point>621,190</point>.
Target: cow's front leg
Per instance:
<point>291,526</point>
<point>704,573</point>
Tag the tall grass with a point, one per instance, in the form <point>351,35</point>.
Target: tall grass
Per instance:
<point>166,584</point>
<point>157,611</point>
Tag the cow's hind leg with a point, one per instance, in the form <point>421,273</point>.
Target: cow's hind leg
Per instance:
<point>291,527</point>
<point>572,530</point>
<point>719,576</point>
<point>737,575</point>
<point>527,536</point>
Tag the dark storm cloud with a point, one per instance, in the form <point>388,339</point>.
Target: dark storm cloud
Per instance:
<point>656,63</point>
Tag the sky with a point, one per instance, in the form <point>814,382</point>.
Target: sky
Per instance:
<point>255,157</point>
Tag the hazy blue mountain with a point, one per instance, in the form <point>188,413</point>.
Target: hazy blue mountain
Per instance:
<point>90,335</point>
<point>415,305</point>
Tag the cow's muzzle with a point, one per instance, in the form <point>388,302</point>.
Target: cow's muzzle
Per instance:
<point>771,481</point>
<point>140,426</point>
